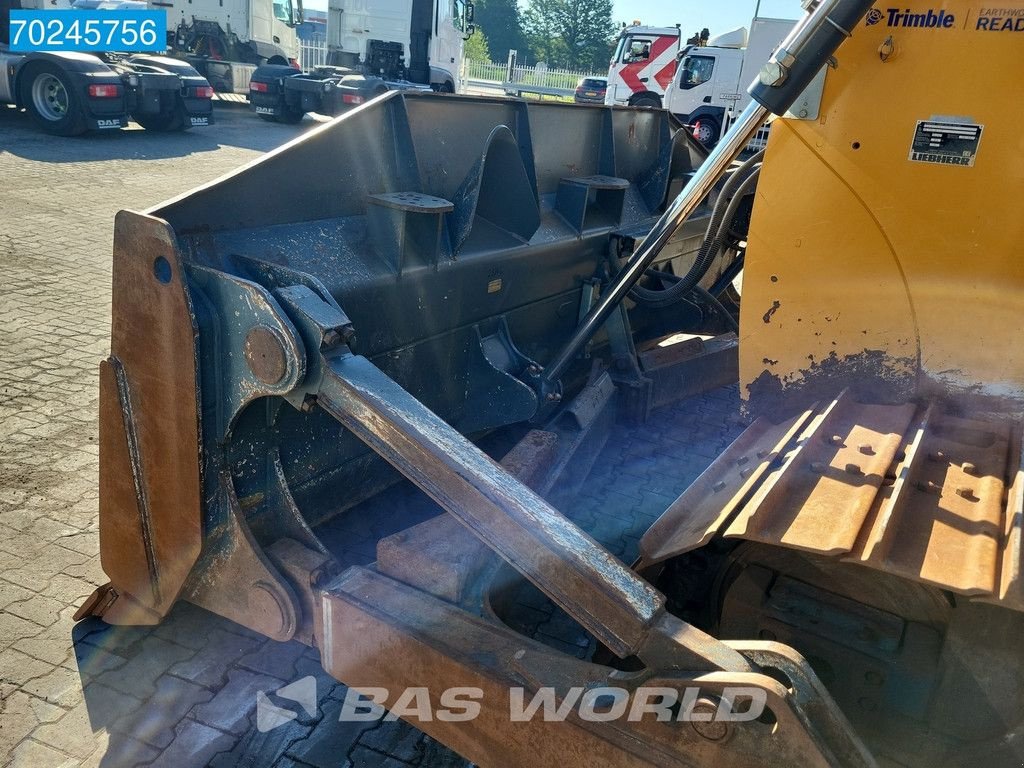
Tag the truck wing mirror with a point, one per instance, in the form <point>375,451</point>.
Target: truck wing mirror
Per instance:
<point>470,29</point>
<point>470,17</point>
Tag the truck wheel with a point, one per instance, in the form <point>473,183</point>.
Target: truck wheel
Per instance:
<point>51,101</point>
<point>446,87</point>
<point>707,131</point>
<point>647,100</point>
<point>162,122</point>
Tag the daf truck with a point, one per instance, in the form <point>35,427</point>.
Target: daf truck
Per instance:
<point>226,40</point>
<point>70,93</point>
<point>373,46</point>
<point>711,80</point>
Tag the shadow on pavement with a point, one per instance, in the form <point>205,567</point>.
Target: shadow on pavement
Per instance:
<point>184,694</point>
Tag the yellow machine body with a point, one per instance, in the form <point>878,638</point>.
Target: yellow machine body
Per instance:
<point>893,269</point>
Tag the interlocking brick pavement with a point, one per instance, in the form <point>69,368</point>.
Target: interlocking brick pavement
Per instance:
<point>182,694</point>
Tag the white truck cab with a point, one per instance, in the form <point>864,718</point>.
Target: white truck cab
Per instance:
<point>642,66</point>
<point>712,80</point>
<point>227,39</point>
<point>382,37</point>
<point>372,46</point>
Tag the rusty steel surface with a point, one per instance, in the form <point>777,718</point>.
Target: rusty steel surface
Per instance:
<point>908,489</point>
<point>235,578</point>
<point>441,556</point>
<point>568,566</point>
<point>150,506</point>
<point>1011,578</point>
<point>820,497</point>
<point>694,518</point>
<point>618,607</point>
<point>945,523</point>
<point>443,644</point>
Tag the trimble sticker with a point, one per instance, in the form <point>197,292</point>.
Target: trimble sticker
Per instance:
<point>1000,20</point>
<point>904,17</point>
<point>946,141</point>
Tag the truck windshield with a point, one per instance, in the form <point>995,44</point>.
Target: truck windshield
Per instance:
<point>696,70</point>
<point>285,11</point>
<point>637,49</point>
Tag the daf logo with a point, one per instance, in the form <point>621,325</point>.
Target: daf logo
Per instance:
<point>874,16</point>
<point>108,123</point>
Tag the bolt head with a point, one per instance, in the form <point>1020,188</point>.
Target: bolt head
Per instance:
<point>331,339</point>
<point>773,74</point>
<point>265,354</point>
<point>713,730</point>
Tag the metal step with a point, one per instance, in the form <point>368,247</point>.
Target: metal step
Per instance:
<point>908,489</point>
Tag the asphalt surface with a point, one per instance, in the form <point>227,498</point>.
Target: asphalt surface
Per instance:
<point>184,693</point>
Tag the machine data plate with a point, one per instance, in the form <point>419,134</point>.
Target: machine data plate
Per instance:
<point>946,142</point>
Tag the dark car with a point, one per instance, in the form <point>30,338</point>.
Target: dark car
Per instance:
<point>591,90</point>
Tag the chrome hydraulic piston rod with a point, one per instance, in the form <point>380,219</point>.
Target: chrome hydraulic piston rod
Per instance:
<point>794,64</point>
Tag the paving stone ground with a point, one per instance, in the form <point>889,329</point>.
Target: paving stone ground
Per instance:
<point>183,694</point>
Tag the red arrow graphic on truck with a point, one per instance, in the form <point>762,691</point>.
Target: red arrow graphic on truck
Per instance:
<point>661,65</point>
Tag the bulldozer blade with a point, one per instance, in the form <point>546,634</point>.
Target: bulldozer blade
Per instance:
<point>449,250</point>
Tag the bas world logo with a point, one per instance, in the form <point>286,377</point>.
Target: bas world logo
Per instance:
<point>270,716</point>
<point>732,704</point>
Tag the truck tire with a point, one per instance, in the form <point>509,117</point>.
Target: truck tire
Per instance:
<point>647,100</point>
<point>707,131</point>
<point>163,122</point>
<point>50,100</point>
<point>446,87</point>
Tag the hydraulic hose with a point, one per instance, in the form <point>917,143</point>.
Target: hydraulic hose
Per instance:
<point>714,241</point>
<point>711,299</point>
<point>708,297</point>
<point>793,65</point>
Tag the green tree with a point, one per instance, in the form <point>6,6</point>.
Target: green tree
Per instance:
<point>570,33</point>
<point>476,47</point>
<point>502,23</point>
